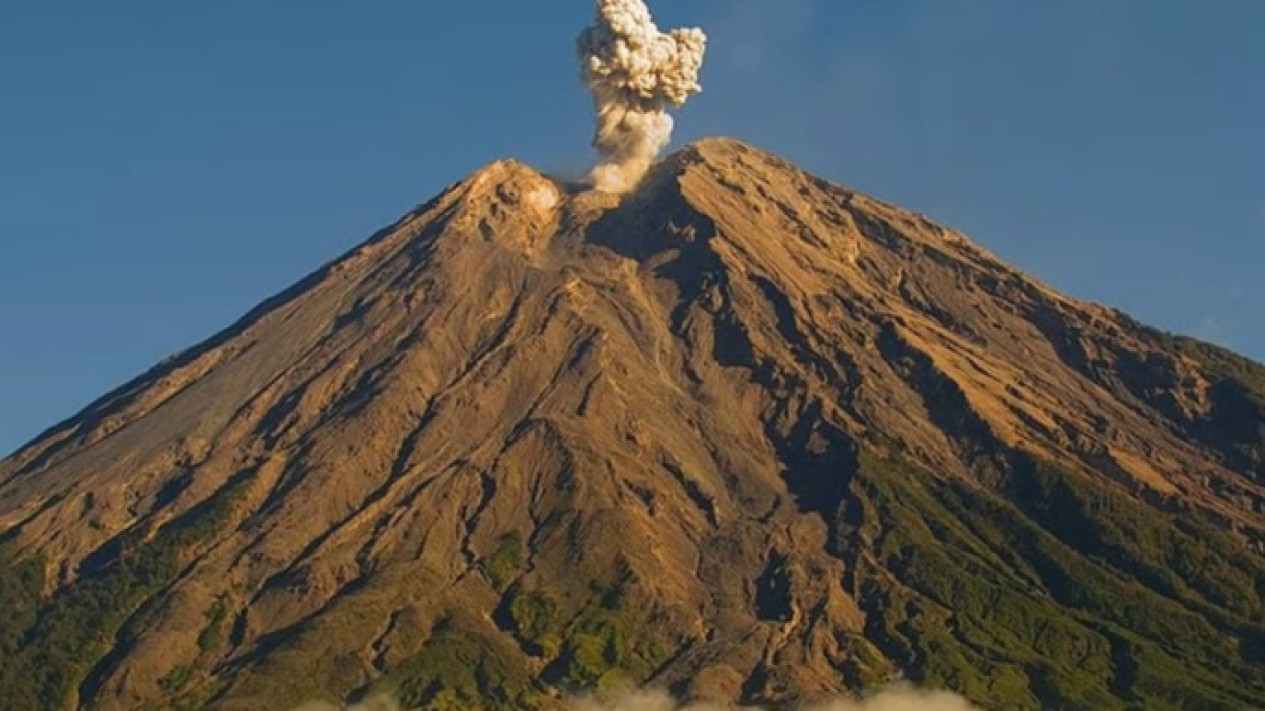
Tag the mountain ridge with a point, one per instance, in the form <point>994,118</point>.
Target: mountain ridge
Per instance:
<point>792,397</point>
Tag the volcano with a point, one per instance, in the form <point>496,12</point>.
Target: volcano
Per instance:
<point>742,434</point>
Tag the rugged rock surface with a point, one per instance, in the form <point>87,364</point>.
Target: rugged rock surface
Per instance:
<point>744,433</point>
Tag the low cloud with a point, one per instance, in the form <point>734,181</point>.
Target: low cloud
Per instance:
<point>891,700</point>
<point>905,700</point>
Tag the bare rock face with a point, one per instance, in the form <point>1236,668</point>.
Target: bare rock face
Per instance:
<point>742,433</point>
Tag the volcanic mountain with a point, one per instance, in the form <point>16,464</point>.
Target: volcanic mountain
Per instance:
<point>742,434</point>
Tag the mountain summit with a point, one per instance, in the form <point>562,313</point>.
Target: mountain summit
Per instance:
<point>741,433</point>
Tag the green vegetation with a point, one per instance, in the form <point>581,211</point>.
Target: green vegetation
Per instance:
<point>213,634</point>
<point>866,669</point>
<point>535,618</point>
<point>461,672</point>
<point>607,645</point>
<point>20,585</point>
<point>177,680</point>
<point>51,645</point>
<point>1180,557</point>
<point>604,646</point>
<point>506,561</point>
<point>1074,596</point>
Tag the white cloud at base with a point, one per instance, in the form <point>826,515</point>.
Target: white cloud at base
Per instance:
<point>891,700</point>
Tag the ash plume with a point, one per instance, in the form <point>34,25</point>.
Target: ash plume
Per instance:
<point>635,73</point>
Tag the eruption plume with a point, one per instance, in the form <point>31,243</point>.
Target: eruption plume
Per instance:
<point>635,73</point>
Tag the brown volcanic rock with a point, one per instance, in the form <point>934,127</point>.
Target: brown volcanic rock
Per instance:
<point>519,387</point>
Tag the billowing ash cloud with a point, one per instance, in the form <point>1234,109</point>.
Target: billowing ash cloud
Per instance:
<point>635,73</point>
<point>894,700</point>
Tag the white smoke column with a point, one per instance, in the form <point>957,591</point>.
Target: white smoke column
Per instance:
<point>635,73</point>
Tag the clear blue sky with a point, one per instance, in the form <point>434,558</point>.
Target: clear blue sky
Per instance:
<point>164,166</point>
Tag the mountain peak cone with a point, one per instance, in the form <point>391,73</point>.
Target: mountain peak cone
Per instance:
<point>741,433</point>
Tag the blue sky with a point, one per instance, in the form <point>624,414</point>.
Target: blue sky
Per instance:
<point>165,166</point>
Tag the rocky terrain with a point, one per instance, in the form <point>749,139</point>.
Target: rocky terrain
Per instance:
<point>742,433</point>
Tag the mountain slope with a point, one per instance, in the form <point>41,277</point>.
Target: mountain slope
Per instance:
<point>744,433</point>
